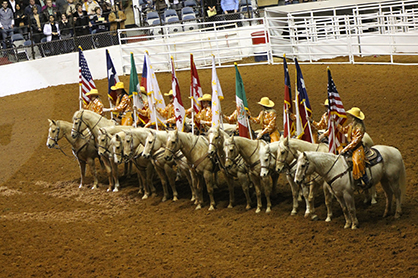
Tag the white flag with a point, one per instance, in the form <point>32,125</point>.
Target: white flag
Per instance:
<point>217,96</point>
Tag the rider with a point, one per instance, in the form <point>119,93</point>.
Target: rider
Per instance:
<point>144,113</point>
<point>355,131</point>
<point>123,105</point>
<point>204,117</point>
<point>323,123</point>
<point>267,120</point>
<point>95,104</point>
<point>168,111</point>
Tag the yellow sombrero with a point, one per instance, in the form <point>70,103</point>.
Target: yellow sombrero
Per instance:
<point>118,86</point>
<point>169,93</point>
<point>142,89</point>
<point>265,101</point>
<point>326,103</point>
<point>93,92</point>
<point>206,97</point>
<point>356,112</point>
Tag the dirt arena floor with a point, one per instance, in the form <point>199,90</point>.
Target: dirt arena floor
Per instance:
<point>50,228</point>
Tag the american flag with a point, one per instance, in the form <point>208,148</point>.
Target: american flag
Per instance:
<point>336,115</point>
<point>86,80</point>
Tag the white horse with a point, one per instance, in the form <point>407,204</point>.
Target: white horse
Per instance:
<point>335,171</point>
<point>195,149</point>
<point>249,150</point>
<point>133,146</point>
<point>286,161</point>
<point>154,150</point>
<point>83,148</point>
<point>239,170</point>
<point>83,119</point>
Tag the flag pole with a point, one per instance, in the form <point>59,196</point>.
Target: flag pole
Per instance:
<point>79,84</point>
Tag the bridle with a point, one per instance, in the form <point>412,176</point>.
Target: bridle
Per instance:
<point>81,120</point>
<point>106,145</point>
<point>56,139</point>
<point>270,154</point>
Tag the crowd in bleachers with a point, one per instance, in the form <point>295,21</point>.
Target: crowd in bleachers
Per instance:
<point>36,21</point>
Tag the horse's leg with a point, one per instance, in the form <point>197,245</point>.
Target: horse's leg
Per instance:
<point>93,171</point>
<point>328,201</point>
<point>341,201</point>
<point>164,180</point>
<point>309,196</point>
<point>267,183</point>
<point>115,174</point>
<point>295,194</point>
<point>141,181</point>
<point>192,184</point>
<point>389,196</point>
<point>149,174</point>
<point>209,179</point>
<point>256,181</point>
<point>171,174</point>
<point>245,183</point>
<point>199,190</point>
<point>108,168</point>
<point>230,182</point>
<point>373,194</point>
<point>351,206</point>
<point>82,165</point>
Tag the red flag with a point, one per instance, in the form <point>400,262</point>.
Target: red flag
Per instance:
<point>179,111</point>
<point>336,115</point>
<point>195,88</point>
<point>303,108</point>
<point>288,127</point>
<point>86,80</point>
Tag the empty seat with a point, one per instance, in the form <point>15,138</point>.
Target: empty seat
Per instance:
<point>18,37</point>
<point>186,10</point>
<point>190,3</point>
<point>170,13</point>
<point>172,19</point>
<point>189,17</point>
<point>245,2</point>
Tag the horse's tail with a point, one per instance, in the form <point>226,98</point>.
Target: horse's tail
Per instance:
<point>402,181</point>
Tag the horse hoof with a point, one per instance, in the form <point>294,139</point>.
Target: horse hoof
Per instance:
<point>258,210</point>
<point>195,202</point>
<point>230,206</point>
<point>374,202</point>
<point>268,210</point>
<point>198,207</point>
<point>211,208</point>
<point>347,225</point>
<point>175,199</point>
<point>145,197</point>
<point>140,191</point>
<point>115,190</point>
<point>80,186</point>
<point>354,227</point>
<point>294,212</point>
<point>328,219</point>
<point>109,189</point>
<point>163,199</point>
<point>154,195</point>
<point>248,207</point>
<point>397,215</point>
<point>307,214</point>
<point>192,199</point>
<point>314,217</point>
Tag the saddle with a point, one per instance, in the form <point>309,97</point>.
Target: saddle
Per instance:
<point>372,156</point>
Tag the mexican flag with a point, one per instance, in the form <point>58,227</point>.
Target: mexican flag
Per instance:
<point>242,106</point>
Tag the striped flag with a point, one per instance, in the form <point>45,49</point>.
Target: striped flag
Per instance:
<point>134,89</point>
<point>155,97</point>
<point>86,82</point>
<point>303,108</point>
<point>242,106</point>
<point>195,88</point>
<point>179,110</point>
<point>288,127</point>
<point>217,96</point>
<point>112,79</point>
<point>336,115</point>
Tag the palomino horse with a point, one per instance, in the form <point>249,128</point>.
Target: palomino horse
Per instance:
<point>133,146</point>
<point>285,161</point>
<point>88,119</point>
<point>195,149</point>
<point>335,171</point>
<point>145,174</point>
<point>238,171</point>
<point>154,150</point>
<point>83,148</point>
<point>249,150</point>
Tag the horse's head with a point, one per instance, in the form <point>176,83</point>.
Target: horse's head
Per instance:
<point>302,168</point>
<point>267,160</point>
<point>78,124</point>
<point>149,144</point>
<point>284,155</point>
<point>173,145</point>
<point>231,152</point>
<point>53,134</point>
<point>116,145</point>
<point>214,136</point>
<point>128,145</point>
<point>103,140</point>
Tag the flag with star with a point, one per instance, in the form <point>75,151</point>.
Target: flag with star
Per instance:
<point>217,96</point>
<point>86,82</point>
<point>288,125</point>
<point>336,116</point>
<point>303,108</point>
<point>112,79</point>
<point>155,97</point>
<point>179,111</point>
<point>242,106</point>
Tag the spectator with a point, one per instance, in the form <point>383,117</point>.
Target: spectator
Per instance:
<point>29,8</point>
<point>160,6</point>
<point>106,10</point>
<point>61,6</point>
<point>81,21</point>
<point>90,6</point>
<point>49,9</point>
<point>21,21</point>
<point>6,22</point>
<point>99,23</point>
<point>229,7</point>
<point>52,33</point>
<point>12,6</point>
<point>70,9</point>
<point>36,22</point>
<point>117,19</point>
<point>211,8</point>
<point>66,34</point>
<point>175,5</point>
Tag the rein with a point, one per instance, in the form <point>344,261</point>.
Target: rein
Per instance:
<point>58,147</point>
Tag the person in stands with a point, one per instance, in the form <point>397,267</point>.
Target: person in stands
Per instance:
<point>267,120</point>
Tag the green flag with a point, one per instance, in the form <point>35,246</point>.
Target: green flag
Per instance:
<point>242,106</point>
<point>134,88</point>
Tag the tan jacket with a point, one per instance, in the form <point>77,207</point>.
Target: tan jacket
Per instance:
<point>114,23</point>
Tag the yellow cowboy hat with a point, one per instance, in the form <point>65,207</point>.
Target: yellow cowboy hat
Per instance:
<point>169,93</point>
<point>265,101</point>
<point>356,112</point>
<point>118,86</point>
<point>142,89</point>
<point>326,103</point>
<point>93,92</point>
<point>206,97</point>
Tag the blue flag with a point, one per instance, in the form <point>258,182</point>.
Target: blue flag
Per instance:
<point>112,79</point>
